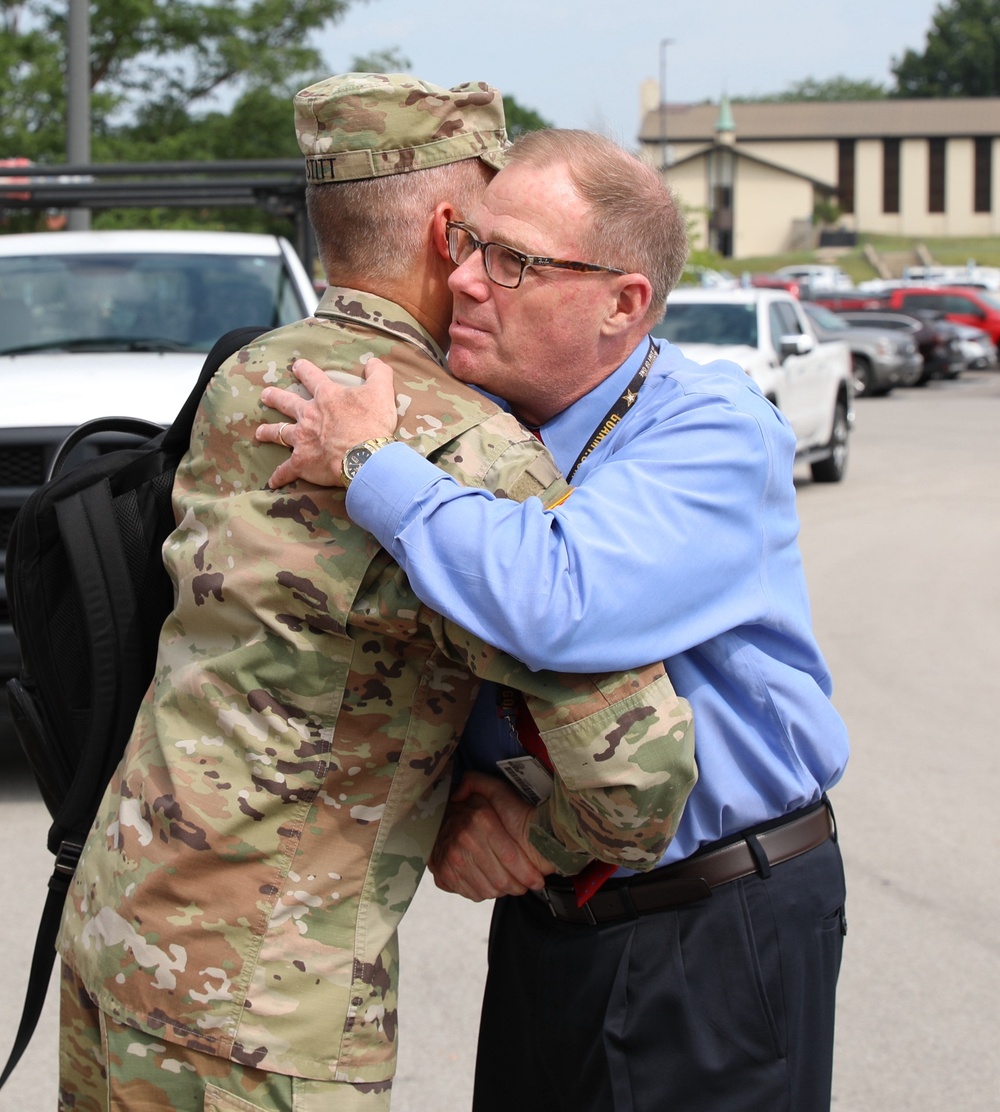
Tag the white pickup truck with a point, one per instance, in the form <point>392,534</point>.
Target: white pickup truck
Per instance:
<point>767,333</point>
<point>94,323</point>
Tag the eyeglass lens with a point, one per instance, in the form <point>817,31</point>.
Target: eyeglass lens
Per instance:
<point>502,265</point>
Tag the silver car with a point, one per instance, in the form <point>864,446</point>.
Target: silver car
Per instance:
<point>882,358</point>
<point>979,351</point>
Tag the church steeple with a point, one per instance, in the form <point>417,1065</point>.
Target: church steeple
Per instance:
<point>725,125</point>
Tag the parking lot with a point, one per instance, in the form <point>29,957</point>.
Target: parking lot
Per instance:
<point>903,561</point>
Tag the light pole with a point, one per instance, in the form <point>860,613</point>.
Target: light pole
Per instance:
<point>78,98</point>
<point>664,43</point>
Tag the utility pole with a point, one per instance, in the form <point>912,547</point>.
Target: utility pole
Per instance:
<point>664,43</point>
<point>78,99</point>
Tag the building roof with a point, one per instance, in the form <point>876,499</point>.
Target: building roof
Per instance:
<point>811,119</point>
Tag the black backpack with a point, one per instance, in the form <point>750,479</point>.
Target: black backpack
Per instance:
<point>88,594</point>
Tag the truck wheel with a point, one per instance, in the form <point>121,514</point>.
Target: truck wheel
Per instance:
<point>834,466</point>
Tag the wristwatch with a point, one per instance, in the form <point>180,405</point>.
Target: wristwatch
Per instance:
<point>361,453</point>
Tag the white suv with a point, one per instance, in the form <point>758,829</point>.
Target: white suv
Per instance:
<point>100,323</point>
<point>767,333</point>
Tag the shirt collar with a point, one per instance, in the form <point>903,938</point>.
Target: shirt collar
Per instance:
<point>360,307</point>
<point>569,432</point>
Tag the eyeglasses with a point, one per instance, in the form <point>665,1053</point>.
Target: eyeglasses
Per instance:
<point>504,265</point>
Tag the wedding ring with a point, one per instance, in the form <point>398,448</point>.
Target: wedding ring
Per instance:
<point>281,433</point>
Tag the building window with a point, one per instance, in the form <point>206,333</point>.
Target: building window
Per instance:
<point>890,175</point>
<point>935,175</point>
<point>983,190</point>
<point>845,175</point>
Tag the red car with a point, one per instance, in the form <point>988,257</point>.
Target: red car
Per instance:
<point>776,282</point>
<point>961,304</point>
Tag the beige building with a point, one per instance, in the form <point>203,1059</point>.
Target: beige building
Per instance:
<point>753,173</point>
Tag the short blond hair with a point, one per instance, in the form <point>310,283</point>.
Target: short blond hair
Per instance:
<point>637,223</point>
<point>376,228</point>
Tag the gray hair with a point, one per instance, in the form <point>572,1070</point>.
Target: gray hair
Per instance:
<point>637,224</point>
<point>376,228</point>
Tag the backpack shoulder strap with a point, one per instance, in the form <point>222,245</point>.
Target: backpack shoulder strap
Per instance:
<point>134,426</point>
<point>40,973</point>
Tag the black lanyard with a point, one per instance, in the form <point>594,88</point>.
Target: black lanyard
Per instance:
<point>618,410</point>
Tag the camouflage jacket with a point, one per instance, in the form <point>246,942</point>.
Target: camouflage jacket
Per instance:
<point>280,794</point>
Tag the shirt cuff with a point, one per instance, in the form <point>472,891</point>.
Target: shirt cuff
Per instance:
<point>386,487</point>
<point>568,860</point>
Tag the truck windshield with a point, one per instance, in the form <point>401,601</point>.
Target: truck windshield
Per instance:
<point>707,322</point>
<point>169,302</point>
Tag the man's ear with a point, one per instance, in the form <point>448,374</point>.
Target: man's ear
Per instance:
<point>444,212</point>
<point>633,296</point>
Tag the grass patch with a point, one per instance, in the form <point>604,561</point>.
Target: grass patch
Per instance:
<point>947,252</point>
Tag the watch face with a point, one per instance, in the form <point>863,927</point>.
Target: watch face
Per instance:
<point>361,453</point>
<point>354,459</point>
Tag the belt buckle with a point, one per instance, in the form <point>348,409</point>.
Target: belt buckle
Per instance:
<point>561,903</point>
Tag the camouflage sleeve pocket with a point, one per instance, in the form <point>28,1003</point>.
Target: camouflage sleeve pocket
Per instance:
<point>623,776</point>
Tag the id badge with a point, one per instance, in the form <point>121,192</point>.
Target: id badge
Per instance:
<point>529,776</point>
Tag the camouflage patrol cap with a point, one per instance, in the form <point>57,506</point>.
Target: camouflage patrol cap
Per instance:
<point>366,125</point>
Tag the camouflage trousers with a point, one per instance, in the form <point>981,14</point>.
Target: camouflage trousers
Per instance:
<point>106,1067</point>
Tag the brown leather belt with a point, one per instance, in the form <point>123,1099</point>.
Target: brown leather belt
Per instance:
<point>691,880</point>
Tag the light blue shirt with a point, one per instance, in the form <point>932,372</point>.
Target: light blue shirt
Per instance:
<point>679,542</point>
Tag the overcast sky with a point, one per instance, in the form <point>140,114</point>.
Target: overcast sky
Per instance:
<point>579,63</point>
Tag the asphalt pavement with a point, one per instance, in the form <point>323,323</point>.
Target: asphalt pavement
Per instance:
<point>903,562</point>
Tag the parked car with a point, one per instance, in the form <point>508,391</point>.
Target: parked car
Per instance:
<point>858,298</point>
<point>937,339</point>
<point>981,277</point>
<point>695,275</point>
<point>99,323</point>
<point>978,350</point>
<point>817,276</point>
<point>881,358</point>
<point>776,282</point>
<point>963,305</point>
<point>766,332</point>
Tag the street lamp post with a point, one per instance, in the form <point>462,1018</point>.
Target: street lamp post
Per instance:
<point>664,43</point>
<point>78,98</point>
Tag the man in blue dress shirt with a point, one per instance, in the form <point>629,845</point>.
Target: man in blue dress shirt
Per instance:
<point>707,985</point>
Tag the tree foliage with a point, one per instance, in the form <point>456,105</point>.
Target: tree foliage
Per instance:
<point>521,119</point>
<point>961,57</point>
<point>381,61</point>
<point>159,71</point>
<point>154,65</point>
<point>833,88</point>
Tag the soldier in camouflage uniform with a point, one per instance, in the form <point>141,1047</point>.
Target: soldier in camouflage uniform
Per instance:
<point>229,941</point>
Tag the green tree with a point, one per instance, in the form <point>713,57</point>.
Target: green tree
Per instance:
<point>833,88</point>
<point>961,57</point>
<point>381,61</point>
<point>156,69</point>
<point>521,119</point>
<point>153,62</point>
